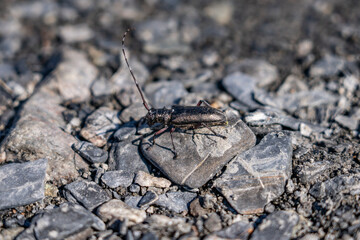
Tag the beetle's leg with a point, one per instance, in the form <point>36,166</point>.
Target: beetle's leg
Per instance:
<point>172,141</point>
<point>157,133</point>
<point>204,102</point>
<point>216,134</point>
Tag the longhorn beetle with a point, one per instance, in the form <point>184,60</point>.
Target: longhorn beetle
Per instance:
<point>184,117</point>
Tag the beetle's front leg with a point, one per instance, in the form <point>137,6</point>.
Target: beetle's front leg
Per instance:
<point>203,102</point>
<point>157,133</point>
<point>172,141</point>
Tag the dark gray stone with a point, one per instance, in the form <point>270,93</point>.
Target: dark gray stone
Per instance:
<point>164,93</point>
<point>61,222</point>
<point>149,198</point>
<point>175,201</point>
<point>241,86</point>
<point>134,188</point>
<point>125,156</point>
<point>335,187</point>
<point>237,230</point>
<point>132,201</point>
<point>90,152</point>
<point>100,125</point>
<point>348,122</point>
<point>22,183</point>
<point>125,131</point>
<point>293,101</point>
<point>327,67</point>
<point>200,155</point>
<point>257,176</point>
<point>278,225</point>
<point>114,179</point>
<point>89,194</point>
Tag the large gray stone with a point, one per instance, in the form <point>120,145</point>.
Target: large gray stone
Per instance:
<point>278,225</point>
<point>257,176</point>
<point>22,183</point>
<point>200,155</point>
<point>61,222</point>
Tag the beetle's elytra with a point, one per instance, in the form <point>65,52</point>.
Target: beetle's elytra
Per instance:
<point>184,117</point>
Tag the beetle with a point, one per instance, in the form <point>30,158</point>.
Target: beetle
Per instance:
<point>183,117</point>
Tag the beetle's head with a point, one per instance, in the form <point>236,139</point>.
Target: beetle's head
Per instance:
<point>151,117</point>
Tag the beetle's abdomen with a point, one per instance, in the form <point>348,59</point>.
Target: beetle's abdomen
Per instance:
<point>183,116</point>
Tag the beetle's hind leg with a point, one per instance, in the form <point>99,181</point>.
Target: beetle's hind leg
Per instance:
<point>172,141</point>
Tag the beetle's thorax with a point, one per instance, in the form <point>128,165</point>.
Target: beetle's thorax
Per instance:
<point>162,116</point>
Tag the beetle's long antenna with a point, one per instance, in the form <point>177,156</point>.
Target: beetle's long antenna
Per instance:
<point>131,72</point>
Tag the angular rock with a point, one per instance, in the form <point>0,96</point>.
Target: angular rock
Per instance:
<point>171,224</point>
<point>175,201</point>
<point>38,131</point>
<point>164,93</point>
<point>133,201</point>
<point>125,156</point>
<point>146,180</point>
<point>278,225</point>
<point>120,178</point>
<point>327,67</point>
<point>149,198</point>
<point>22,183</point>
<point>117,209</point>
<point>90,152</point>
<point>61,222</point>
<point>125,131</point>
<point>348,122</point>
<point>241,86</point>
<point>88,194</point>
<point>200,155</point>
<point>100,125</point>
<point>264,72</point>
<point>336,187</point>
<point>293,101</point>
<point>292,84</point>
<point>257,176</point>
<point>238,230</point>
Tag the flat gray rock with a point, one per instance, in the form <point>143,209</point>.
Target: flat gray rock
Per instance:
<point>22,183</point>
<point>176,201</point>
<point>90,152</point>
<point>241,86</point>
<point>278,225</point>
<point>89,194</point>
<point>125,156</point>
<point>61,222</point>
<point>257,176</point>
<point>348,122</point>
<point>327,67</point>
<point>119,178</point>
<point>200,155</point>
<point>125,131</point>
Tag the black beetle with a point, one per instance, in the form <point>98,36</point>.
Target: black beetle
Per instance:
<point>184,117</point>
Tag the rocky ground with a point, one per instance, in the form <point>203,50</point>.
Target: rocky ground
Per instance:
<point>75,161</point>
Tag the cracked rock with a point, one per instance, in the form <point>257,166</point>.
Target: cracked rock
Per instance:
<point>200,155</point>
<point>257,176</point>
<point>89,194</point>
<point>278,225</point>
<point>22,183</point>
